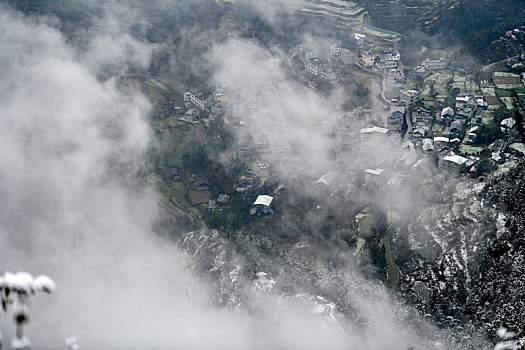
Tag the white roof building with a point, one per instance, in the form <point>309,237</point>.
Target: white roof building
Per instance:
<point>447,110</point>
<point>327,178</point>
<point>428,145</point>
<point>376,172</point>
<point>455,159</point>
<point>441,139</point>
<point>374,129</point>
<point>264,200</point>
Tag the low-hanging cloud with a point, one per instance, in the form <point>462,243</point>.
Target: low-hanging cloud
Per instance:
<point>71,207</point>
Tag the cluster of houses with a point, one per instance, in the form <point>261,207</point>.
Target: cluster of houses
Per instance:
<point>388,59</point>
<point>425,69</point>
<point>355,131</point>
<point>222,201</point>
<point>462,121</point>
<point>324,64</point>
<point>204,106</point>
<point>458,125</point>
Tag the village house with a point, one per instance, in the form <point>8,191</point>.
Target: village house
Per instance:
<point>221,93</point>
<point>454,161</point>
<point>175,174</point>
<point>262,205</point>
<point>368,59</point>
<point>465,113</point>
<point>311,55</point>
<point>435,64</point>
<point>327,179</point>
<point>465,100</point>
<point>441,142</point>
<point>329,75</point>
<point>457,128</point>
<point>191,115</point>
<point>372,134</point>
<point>212,205</point>
<point>410,97</point>
<point>424,118</point>
<point>197,98</point>
<point>359,38</point>
<point>481,102</point>
<point>201,183</point>
<point>417,133</point>
<point>375,176</point>
<point>244,183</point>
<point>383,64</point>
<point>312,68</point>
<point>447,114</point>
<point>420,72</point>
<point>395,121</point>
<point>223,199</point>
<point>335,48</point>
<point>427,145</point>
<point>393,55</point>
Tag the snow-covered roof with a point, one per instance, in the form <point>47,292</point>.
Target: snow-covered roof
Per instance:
<point>263,200</point>
<point>455,159</point>
<point>374,129</point>
<point>518,146</point>
<point>428,145</point>
<point>327,178</point>
<point>441,139</point>
<point>374,171</point>
<point>447,110</point>
<point>509,122</point>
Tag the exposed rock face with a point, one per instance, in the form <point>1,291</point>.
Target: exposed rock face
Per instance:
<point>469,264</point>
<point>511,44</point>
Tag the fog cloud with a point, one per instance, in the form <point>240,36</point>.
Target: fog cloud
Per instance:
<point>73,209</point>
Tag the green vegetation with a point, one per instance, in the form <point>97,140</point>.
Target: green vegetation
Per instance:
<point>422,290</point>
<point>477,25</point>
<point>488,133</point>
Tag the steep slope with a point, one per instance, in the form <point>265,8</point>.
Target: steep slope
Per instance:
<point>469,266</point>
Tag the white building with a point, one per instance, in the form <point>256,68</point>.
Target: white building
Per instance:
<point>359,38</point>
<point>373,133</point>
<point>393,55</point>
<point>311,55</point>
<point>374,175</point>
<point>312,68</point>
<point>409,97</point>
<point>435,64</point>
<point>454,160</point>
<point>191,97</point>
<point>330,75</point>
<point>335,48</point>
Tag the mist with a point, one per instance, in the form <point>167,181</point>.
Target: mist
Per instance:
<point>73,138</point>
